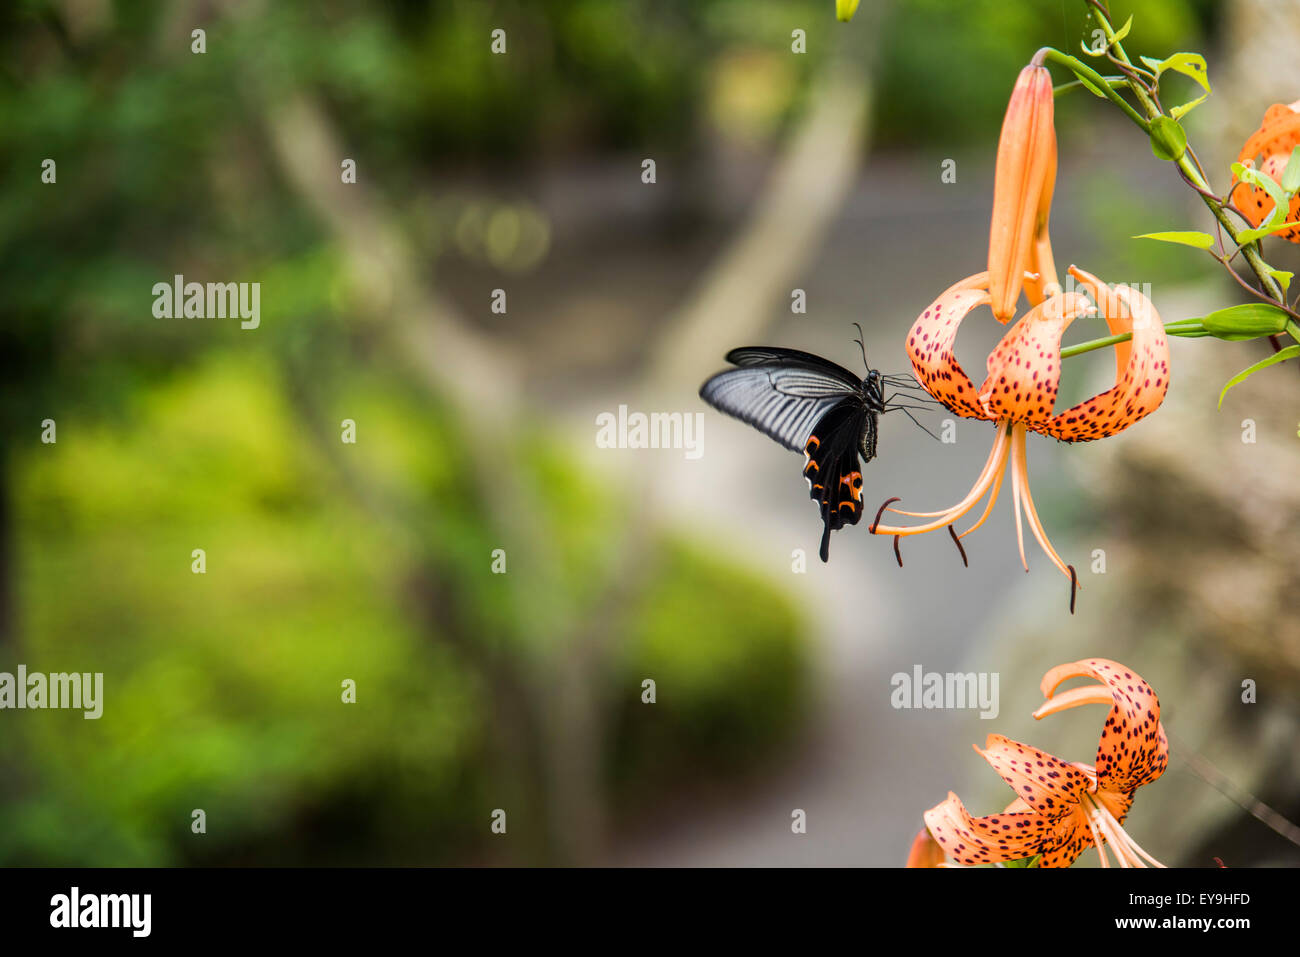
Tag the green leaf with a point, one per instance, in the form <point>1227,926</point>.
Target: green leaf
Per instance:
<point>1188,64</point>
<point>1248,174</point>
<point>1250,235</point>
<point>1283,278</point>
<point>1122,32</point>
<point>1026,861</point>
<point>1291,175</point>
<point>1178,112</point>
<point>1182,238</point>
<point>1168,140</point>
<point>1290,352</point>
<point>1089,85</point>
<point>1090,51</point>
<point>1104,44</point>
<point>844,10</point>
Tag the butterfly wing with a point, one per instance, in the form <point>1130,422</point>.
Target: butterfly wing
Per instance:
<point>832,469</point>
<point>783,401</point>
<point>775,356</point>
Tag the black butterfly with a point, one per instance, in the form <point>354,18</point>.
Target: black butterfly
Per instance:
<point>811,405</point>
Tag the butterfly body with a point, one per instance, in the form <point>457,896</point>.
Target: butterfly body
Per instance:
<point>810,405</point>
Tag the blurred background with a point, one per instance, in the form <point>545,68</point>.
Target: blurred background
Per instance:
<point>475,431</point>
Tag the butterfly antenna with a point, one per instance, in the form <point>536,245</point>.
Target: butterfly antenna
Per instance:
<point>861,346</point>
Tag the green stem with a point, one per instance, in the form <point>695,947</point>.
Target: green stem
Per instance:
<point>1185,328</point>
<point>1115,82</point>
<point>1082,70</point>
<point>1250,250</point>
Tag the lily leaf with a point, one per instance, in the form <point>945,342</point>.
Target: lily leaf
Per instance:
<point>1178,112</point>
<point>1168,140</point>
<point>1122,32</point>
<point>1104,44</point>
<point>1188,64</point>
<point>1026,861</point>
<point>1291,175</point>
<point>1290,352</point>
<point>1283,278</point>
<point>1248,174</point>
<point>1183,238</point>
<point>1090,86</point>
<point>1250,235</point>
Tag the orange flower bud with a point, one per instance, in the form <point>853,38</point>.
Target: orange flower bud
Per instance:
<point>1022,193</point>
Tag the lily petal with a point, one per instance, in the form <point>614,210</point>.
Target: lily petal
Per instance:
<point>1042,265</point>
<point>984,840</point>
<point>925,851</point>
<point>1024,371</point>
<point>1141,364</point>
<point>930,346</point>
<point>1133,749</point>
<point>1046,783</point>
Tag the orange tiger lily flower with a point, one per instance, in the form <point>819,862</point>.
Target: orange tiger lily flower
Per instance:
<point>1019,392</point>
<point>1024,371</point>
<point>1063,808</point>
<point>1270,147</point>
<point>1022,192</point>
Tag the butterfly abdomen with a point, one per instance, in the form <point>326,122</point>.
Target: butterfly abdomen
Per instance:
<point>868,444</point>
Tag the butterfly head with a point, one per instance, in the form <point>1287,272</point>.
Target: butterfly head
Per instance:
<point>874,385</point>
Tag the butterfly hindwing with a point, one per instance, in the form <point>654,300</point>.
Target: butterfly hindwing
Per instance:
<point>833,471</point>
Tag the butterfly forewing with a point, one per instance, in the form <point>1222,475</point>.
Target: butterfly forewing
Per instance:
<point>783,402</point>
<point>773,356</point>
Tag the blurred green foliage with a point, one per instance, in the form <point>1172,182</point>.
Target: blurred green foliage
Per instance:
<point>949,64</point>
<point>223,689</point>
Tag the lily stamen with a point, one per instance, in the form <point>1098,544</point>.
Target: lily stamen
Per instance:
<point>1126,850</point>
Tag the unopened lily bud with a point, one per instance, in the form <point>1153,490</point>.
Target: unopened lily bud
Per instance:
<point>1249,321</point>
<point>844,9</point>
<point>1022,190</point>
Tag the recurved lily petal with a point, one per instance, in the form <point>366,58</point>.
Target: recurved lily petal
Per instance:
<point>998,838</point>
<point>930,346</point>
<point>1022,186</point>
<point>1047,784</point>
<point>1133,749</point>
<point>1024,371</point>
<point>1141,364</point>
